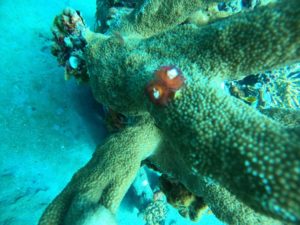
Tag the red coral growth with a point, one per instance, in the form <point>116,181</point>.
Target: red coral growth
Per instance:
<point>162,89</point>
<point>170,76</point>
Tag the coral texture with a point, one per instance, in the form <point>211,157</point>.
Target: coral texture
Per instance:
<point>106,177</point>
<point>156,211</point>
<point>211,141</point>
<point>188,204</point>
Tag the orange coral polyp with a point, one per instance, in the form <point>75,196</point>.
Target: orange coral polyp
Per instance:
<point>158,93</point>
<point>161,90</point>
<point>170,76</point>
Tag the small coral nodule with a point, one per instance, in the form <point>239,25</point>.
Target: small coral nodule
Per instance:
<point>168,80</point>
<point>170,76</point>
<point>156,211</point>
<point>68,44</point>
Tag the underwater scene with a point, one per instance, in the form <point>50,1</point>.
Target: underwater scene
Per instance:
<point>150,112</point>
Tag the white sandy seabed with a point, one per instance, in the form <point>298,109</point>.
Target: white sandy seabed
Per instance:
<point>48,127</point>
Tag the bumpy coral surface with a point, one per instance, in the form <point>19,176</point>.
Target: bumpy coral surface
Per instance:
<point>188,204</point>
<point>156,211</point>
<point>112,168</point>
<point>215,145</point>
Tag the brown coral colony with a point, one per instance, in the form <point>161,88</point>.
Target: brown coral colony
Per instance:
<point>168,80</point>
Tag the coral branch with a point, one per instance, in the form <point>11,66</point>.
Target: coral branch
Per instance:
<point>222,202</point>
<point>230,142</point>
<point>106,178</point>
<point>236,46</point>
<point>155,16</point>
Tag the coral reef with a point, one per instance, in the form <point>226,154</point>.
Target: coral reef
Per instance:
<point>68,31</point>
<point>270,89</point>
<point>188,204</point>
<point>245,165</point>
<point>287,117</point>
<point>285,89</point>
<point>223,203</point>
<point>156,211</point>
<point>106,178</point>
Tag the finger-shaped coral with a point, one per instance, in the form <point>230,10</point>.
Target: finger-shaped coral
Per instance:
<point>236,46</point>
<point>248,148</point>
<point>164,14</point>
<point>106,177</point>
<point>221,201</point>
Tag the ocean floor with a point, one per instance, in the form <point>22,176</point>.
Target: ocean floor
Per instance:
<point>48,127</point>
